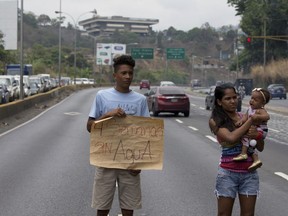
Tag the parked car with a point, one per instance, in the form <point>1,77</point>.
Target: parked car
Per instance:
<point>168,99</point>
<point>167,83</point>
<point>65,81</point>
<point>26,84</point>
<point>40,80</point>
<point>34,88</point>
<point>92,81</point>
<point>277,91</point>
<point>16,85</point>
<point>4,94</point>
<point>145,84</point>
<point>8,80</point>
<point>210,98</point>
<point>53,83</point>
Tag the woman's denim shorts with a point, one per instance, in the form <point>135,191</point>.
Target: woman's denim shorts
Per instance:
<point>229,184</point>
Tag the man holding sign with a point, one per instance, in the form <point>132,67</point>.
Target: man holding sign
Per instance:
<point>117,102</point>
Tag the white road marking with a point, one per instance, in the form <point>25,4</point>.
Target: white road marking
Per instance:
<point>283,175</point>
<point>202,108</point>
<point>179,121</point>
<point>193,128</point>
<point>277,131</point>
<point>72,113</point>
<point>192,105</point>
<point>211,138</point>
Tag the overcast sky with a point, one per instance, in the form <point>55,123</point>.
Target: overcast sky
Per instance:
<point>181,14</point>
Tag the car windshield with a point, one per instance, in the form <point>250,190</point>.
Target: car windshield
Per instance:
<point>277,85</point>
<point>36,80</point>
<point>5,81</point>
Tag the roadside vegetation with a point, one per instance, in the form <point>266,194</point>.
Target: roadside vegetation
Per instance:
<point>204,45</point>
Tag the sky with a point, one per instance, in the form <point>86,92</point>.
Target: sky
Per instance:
<point>181,14</point>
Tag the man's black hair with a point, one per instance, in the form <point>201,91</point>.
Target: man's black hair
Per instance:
<point>123,59</point>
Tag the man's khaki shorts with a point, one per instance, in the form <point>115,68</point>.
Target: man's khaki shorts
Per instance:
<point>129,189</point>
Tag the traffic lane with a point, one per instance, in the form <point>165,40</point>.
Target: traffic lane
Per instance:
<point>85,188</point>
<point>48,172</point>
<point>181,181</point>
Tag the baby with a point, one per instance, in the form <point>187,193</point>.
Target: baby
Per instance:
<point>259,98</point>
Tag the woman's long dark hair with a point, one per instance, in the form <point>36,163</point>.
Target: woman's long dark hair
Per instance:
<point>220,117</point>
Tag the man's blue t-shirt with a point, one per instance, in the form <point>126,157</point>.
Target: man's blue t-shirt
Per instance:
<point>132,103</point>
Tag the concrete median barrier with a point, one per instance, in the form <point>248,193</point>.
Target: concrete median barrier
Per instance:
<point>15,107</point>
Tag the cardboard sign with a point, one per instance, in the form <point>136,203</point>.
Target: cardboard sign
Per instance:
<point>131,142</point>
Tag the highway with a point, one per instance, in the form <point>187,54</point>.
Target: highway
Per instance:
<point>45,170</point>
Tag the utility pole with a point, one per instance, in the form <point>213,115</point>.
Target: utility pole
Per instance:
<point>21,53</point>
<point>264,45</point>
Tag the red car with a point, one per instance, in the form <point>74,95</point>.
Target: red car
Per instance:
<point>168,99</point>
<point>145,84</point>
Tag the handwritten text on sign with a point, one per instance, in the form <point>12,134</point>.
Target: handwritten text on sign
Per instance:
<point>131,142</point>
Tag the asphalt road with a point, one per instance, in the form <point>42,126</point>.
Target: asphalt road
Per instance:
<point>45,168</point>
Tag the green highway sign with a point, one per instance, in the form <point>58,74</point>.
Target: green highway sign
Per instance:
<point>142,53</point>
<point>175,53</point>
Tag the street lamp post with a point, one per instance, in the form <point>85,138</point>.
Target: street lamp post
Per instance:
<point>75,35</point>
<point>59,66</point>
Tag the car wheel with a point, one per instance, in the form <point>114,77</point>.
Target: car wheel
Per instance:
<point>187,113</point>
<point>155,113</point>
<point>176,113</point>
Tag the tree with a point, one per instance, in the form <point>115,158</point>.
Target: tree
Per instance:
<point>43,20</point>
<point>30,19</point>
<point>6,56</point>
<point>255,16</point>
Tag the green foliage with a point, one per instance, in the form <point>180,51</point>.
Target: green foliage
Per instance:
<point>43,20</point>
<point>124,37</point>
<point>30,19</point>
<point>41,41</point>
<point>256,15</point>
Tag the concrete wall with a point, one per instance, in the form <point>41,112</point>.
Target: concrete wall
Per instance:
<point>12,108</point>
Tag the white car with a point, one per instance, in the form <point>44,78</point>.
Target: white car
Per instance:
<point>26,84</point>
<point>167,83</point>
<point>11,84</point>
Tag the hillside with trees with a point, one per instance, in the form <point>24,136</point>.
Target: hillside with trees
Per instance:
<point>210,53</point>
